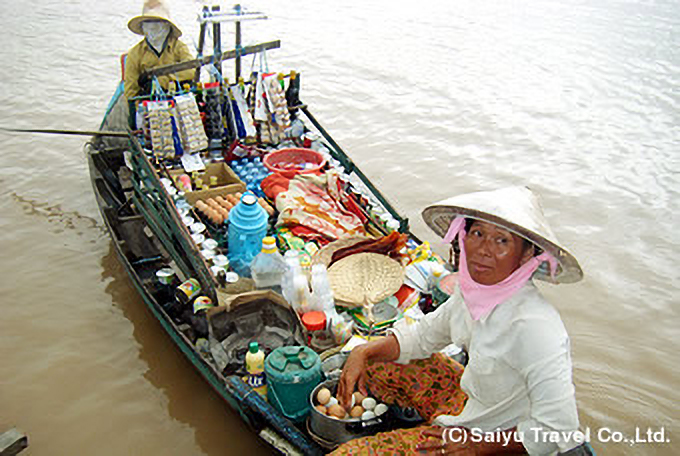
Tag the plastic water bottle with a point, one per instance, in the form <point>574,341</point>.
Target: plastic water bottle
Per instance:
<point>293,269</point>
<point>322,295</point>
<point>268,266</point>
<point>255,368</point>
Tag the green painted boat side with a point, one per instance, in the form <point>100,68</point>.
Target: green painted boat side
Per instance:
<point>256,412</point>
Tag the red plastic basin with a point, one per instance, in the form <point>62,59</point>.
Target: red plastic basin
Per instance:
<point>289,162</point>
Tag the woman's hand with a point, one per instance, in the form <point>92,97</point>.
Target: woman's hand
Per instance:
<point>440,445</point>
<point>353,375</point>
<point>354,372</point>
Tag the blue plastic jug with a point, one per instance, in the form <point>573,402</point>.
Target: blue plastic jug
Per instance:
<point>247,228</point>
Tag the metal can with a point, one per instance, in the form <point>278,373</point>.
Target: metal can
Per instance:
<point>231,277</point>
<point>188,291</point>
<point>166,276</point>
<point>202,303</point>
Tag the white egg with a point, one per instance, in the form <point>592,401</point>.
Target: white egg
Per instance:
<point>331,401</point>
<point>380,409</point>
<point>367,415</point>
<point>323,396</point>
<point>368,403</point>
<point>354,401</point>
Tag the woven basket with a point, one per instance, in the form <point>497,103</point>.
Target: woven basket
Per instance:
<point>365,278</point>
<point>325,254</point>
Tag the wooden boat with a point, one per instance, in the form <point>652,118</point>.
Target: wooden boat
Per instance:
<point>148,234</point>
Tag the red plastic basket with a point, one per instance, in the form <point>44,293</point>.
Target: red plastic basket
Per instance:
<point>289,162</point>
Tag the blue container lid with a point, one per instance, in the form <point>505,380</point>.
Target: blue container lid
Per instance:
<point>247,214</point>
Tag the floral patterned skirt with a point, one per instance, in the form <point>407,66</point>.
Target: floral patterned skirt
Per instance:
<point>431,386</point>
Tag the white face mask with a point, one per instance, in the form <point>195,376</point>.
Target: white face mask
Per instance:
<point>156,32</point>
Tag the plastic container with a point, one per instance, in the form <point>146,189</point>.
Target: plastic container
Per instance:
<point>320,338</point>
<point>322,294</point>
<point>255,367</point>
<point>292,161</point>
<point>247,228</point>
<point>268,266</point>
<point>293,269</point>
<point>292,374</point>
<point>302,297</point>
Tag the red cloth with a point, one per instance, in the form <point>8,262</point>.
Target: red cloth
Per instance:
<point>274,184</point>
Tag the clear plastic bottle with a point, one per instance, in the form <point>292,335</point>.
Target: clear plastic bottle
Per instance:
<point>268,266</point>
<point>293,269</point>
<point>322,295</point>
<point>294,285</point>
<point>302,297</point>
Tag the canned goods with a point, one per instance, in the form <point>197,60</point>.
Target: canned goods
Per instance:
<point>197,227</point>
<point>202,303</point>
<point>209,244</point>
<point>221,261</point>
<point>188,291</point>
<point>198,238</point>
<point>231,277</point>
<point>216,270</point>
<point>207,254</point>
<point>165,276</point>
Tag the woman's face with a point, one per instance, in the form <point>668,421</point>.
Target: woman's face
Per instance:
<point>493,253</point>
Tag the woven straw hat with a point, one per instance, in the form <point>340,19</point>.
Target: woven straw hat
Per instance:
<point>153,10</point>
<point>516,209</point>
<point>365,278</point>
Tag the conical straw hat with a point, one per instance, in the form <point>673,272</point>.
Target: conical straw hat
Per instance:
<point>153,10</point>
<point>516,209</point>
<point>365,278</point>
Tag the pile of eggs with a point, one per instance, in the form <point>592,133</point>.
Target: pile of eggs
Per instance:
<point>364,408</point>
<point>217,209</point>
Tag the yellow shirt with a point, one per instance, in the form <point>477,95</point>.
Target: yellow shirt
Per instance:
<point>141,57</point>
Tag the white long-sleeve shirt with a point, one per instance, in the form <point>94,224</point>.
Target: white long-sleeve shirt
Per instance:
<point>519,369</point>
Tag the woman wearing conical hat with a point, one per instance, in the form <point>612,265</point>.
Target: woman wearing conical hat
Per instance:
<point>160,46</point>
<point>516,395</point>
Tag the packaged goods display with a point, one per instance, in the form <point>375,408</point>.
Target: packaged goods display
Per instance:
<point>160,122</point>
<point>193,134</point>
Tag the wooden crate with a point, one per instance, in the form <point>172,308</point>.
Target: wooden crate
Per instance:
<point>227,182</point>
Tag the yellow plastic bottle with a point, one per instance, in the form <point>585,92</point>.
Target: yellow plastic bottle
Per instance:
<point>255,368</point>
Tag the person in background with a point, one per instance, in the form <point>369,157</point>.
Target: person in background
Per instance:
<point>518,381</point>
<point>160,46</point>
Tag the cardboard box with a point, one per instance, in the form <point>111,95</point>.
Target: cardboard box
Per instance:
<point>227,182</point>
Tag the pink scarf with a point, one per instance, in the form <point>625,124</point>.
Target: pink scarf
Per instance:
<point>482,299</point>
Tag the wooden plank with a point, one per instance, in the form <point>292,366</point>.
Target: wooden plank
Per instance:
<point>196,63</point>
<point>120,134</point>
<point>12,442</point>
